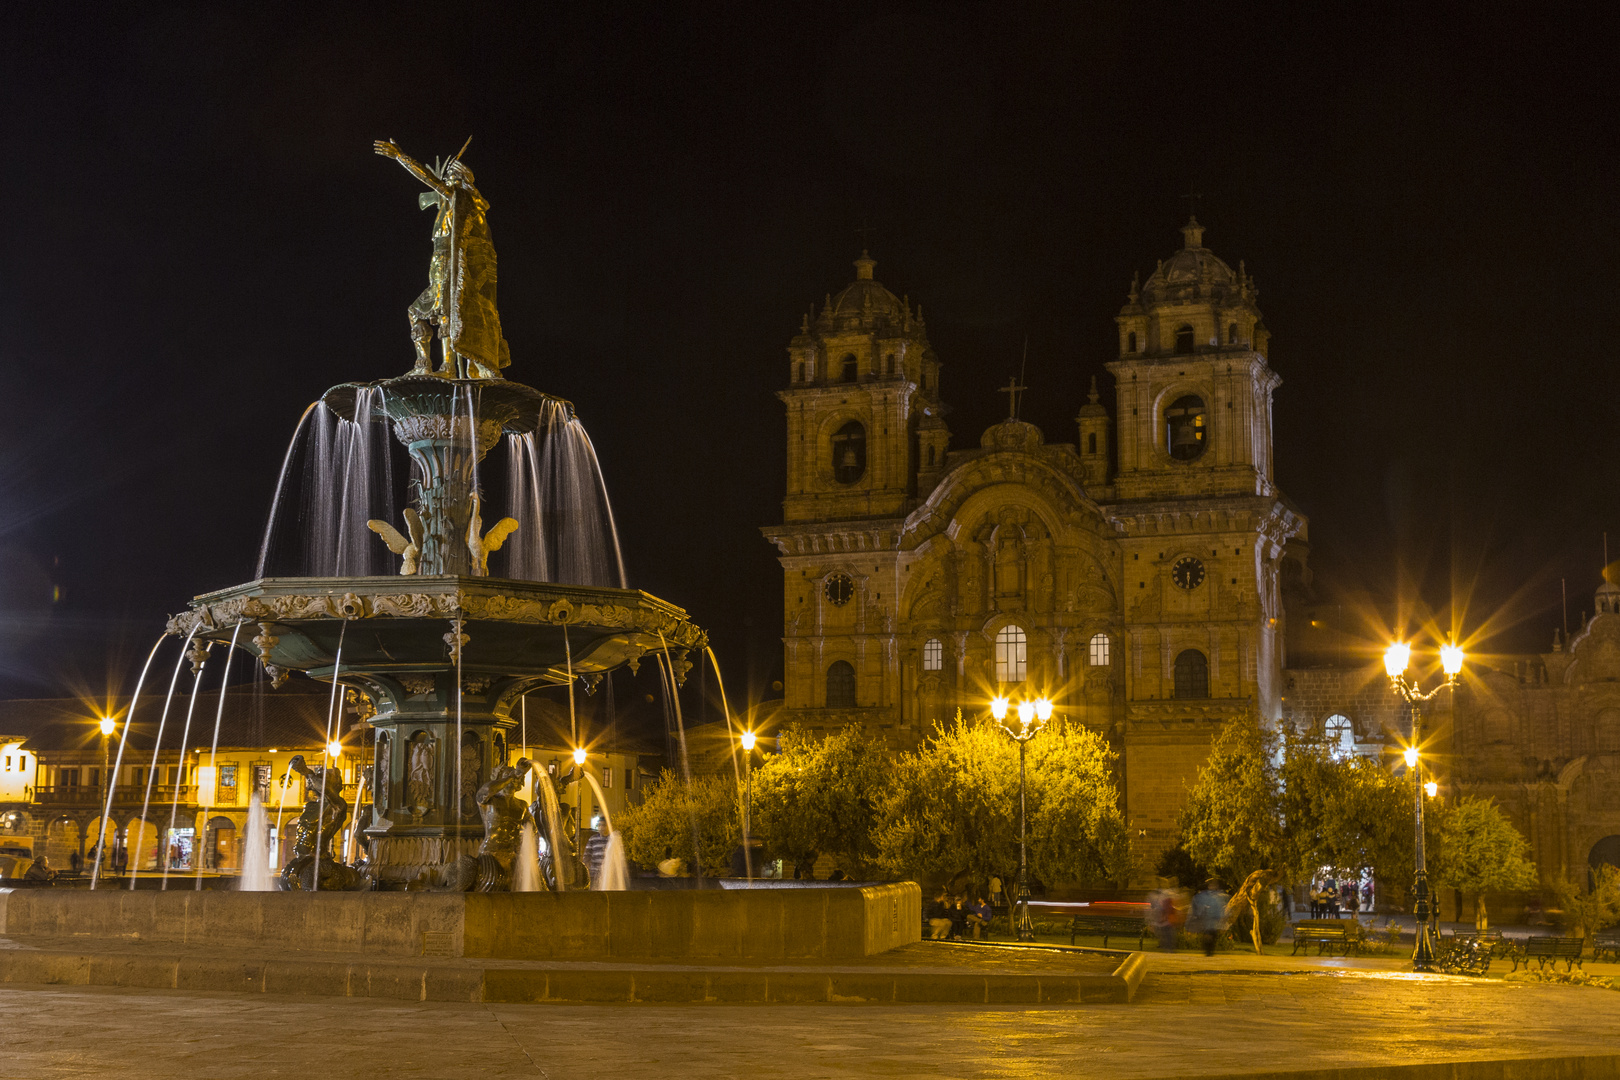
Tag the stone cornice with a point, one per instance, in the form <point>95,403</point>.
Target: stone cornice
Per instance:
<point>835,537</point>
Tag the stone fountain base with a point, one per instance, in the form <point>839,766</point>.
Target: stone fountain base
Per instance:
<point>731,925</point>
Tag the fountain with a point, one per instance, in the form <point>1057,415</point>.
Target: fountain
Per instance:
<point>383,585</point>
<point>443,650</point>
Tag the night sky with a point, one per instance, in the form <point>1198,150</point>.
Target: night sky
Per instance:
<point>200,241</point>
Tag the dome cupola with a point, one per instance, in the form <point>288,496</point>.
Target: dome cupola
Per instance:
<point>1192,302</point>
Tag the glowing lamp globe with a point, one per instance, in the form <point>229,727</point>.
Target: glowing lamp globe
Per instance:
<point>107,724</point>
<point>1396,657</point>
<point>334,748</point>
<point>579,756</point>
<point>1026,712</point>
<point>1043,709</point>
<point>1431,789</point>
<point>1411,756</point>
<point>748,740</point>
<point>998,708</point>
<point>1451,658</point>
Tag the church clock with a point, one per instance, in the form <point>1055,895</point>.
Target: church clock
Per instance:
<point>1188,573</point>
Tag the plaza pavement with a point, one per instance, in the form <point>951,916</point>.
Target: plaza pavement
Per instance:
<point>1235,1015</point>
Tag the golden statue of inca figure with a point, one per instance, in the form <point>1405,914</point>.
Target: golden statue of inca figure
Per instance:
<point>460,298</point>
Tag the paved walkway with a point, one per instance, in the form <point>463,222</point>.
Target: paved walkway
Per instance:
<point>1183,1024</point>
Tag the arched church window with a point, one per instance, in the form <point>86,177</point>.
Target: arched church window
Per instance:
<point>851,368</point>
<point>1192,675</point>
<point>841,685</point>
<point>1091,443</point>
<point>800,376</point>
<point>1097,649</point>
<point>849,452</point>
<point>933,655</point>
<point>1130,341</point>
<point>1184,339</point>
<point>888,367</point>
<point>1340,734</point>
<point>1186,427</point>
<point>1231,334</point>
<point>1012,655</point>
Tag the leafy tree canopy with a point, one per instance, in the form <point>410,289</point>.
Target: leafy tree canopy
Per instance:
<point>1232,823</point>
<point>818,796</point>
<point>953,805</point>
<point>674,815</point>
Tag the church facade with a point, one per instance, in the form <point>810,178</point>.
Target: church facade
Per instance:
<point>1132,575</point>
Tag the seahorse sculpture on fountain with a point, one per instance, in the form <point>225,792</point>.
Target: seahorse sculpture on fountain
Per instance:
<point>320,822</point>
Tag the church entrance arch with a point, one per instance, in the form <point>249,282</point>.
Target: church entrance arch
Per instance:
<point>1606,850</point>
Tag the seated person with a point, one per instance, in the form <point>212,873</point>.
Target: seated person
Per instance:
<point>937,917</point>
<point>40,871</point>
<point>978,916</point>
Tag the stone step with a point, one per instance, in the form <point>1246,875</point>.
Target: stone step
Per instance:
<point>474,981</point>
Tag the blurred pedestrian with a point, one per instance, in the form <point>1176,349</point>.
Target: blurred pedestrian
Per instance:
<point>1208,915</point>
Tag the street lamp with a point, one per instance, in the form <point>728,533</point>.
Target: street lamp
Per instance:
<point>1032,718</point>
<point>748,742</point>
<point>1396,659</point>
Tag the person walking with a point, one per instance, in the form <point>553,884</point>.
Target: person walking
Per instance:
<point>1208,915</point>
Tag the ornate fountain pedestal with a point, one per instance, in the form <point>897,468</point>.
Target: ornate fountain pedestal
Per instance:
<point>444,659</point>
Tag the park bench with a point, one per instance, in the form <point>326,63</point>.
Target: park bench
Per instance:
<point>1108,926</point>
<point>1545,950</point>
<point>1324,938</point>
<point>1606,943</point>
<point>1346,935</point>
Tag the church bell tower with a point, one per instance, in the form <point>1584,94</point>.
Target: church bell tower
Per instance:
<point>862,406</point>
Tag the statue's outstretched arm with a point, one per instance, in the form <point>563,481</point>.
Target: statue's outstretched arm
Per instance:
<point>388,148</point>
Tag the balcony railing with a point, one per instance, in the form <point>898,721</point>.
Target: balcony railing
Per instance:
<point>123,794</point>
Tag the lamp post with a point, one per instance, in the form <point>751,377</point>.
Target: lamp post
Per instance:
<point>1396,659</point>
<point>106,727</point>
<point>748,742</point>
<point>1029,712</point>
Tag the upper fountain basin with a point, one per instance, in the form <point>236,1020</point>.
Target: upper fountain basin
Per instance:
<point>516,408</point>
<point>529,630</point>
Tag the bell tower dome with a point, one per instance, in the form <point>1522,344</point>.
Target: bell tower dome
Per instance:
<point>1194,385</point>
<point>863,406</point>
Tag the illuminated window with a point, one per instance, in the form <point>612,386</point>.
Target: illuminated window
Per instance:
<point>1341,735</point>
<point>1186,427</point>
<point>1184,339</point>
<point>849,452</point>
<point>841,685</point>
<point>1130,341</point>
<point>1192,675</point>
<point>933,655</point>
<point>851,368</point>
<point>1011,655</point>
<point>1098,650</point>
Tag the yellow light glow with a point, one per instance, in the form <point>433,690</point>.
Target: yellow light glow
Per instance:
<point>748,740</point>
<point>1043,708</point>
<point>334,748</point>
<point>1451,658</point>
<point>1026,711</point>
<point>1396,657</point>
<point>579,756</point>
<point>998,708</point>
<point>107,725</point>
<point>1432,789</point>
<point>1411,757</point>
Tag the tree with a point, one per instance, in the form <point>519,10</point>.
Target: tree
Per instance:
<point>1586,911</point>
<point>1344,811</point>
<point>673,815</point>
<point>953,805</point>
<point>1231,822</point>
<point>1477,850</point>
<point>817,796</point>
